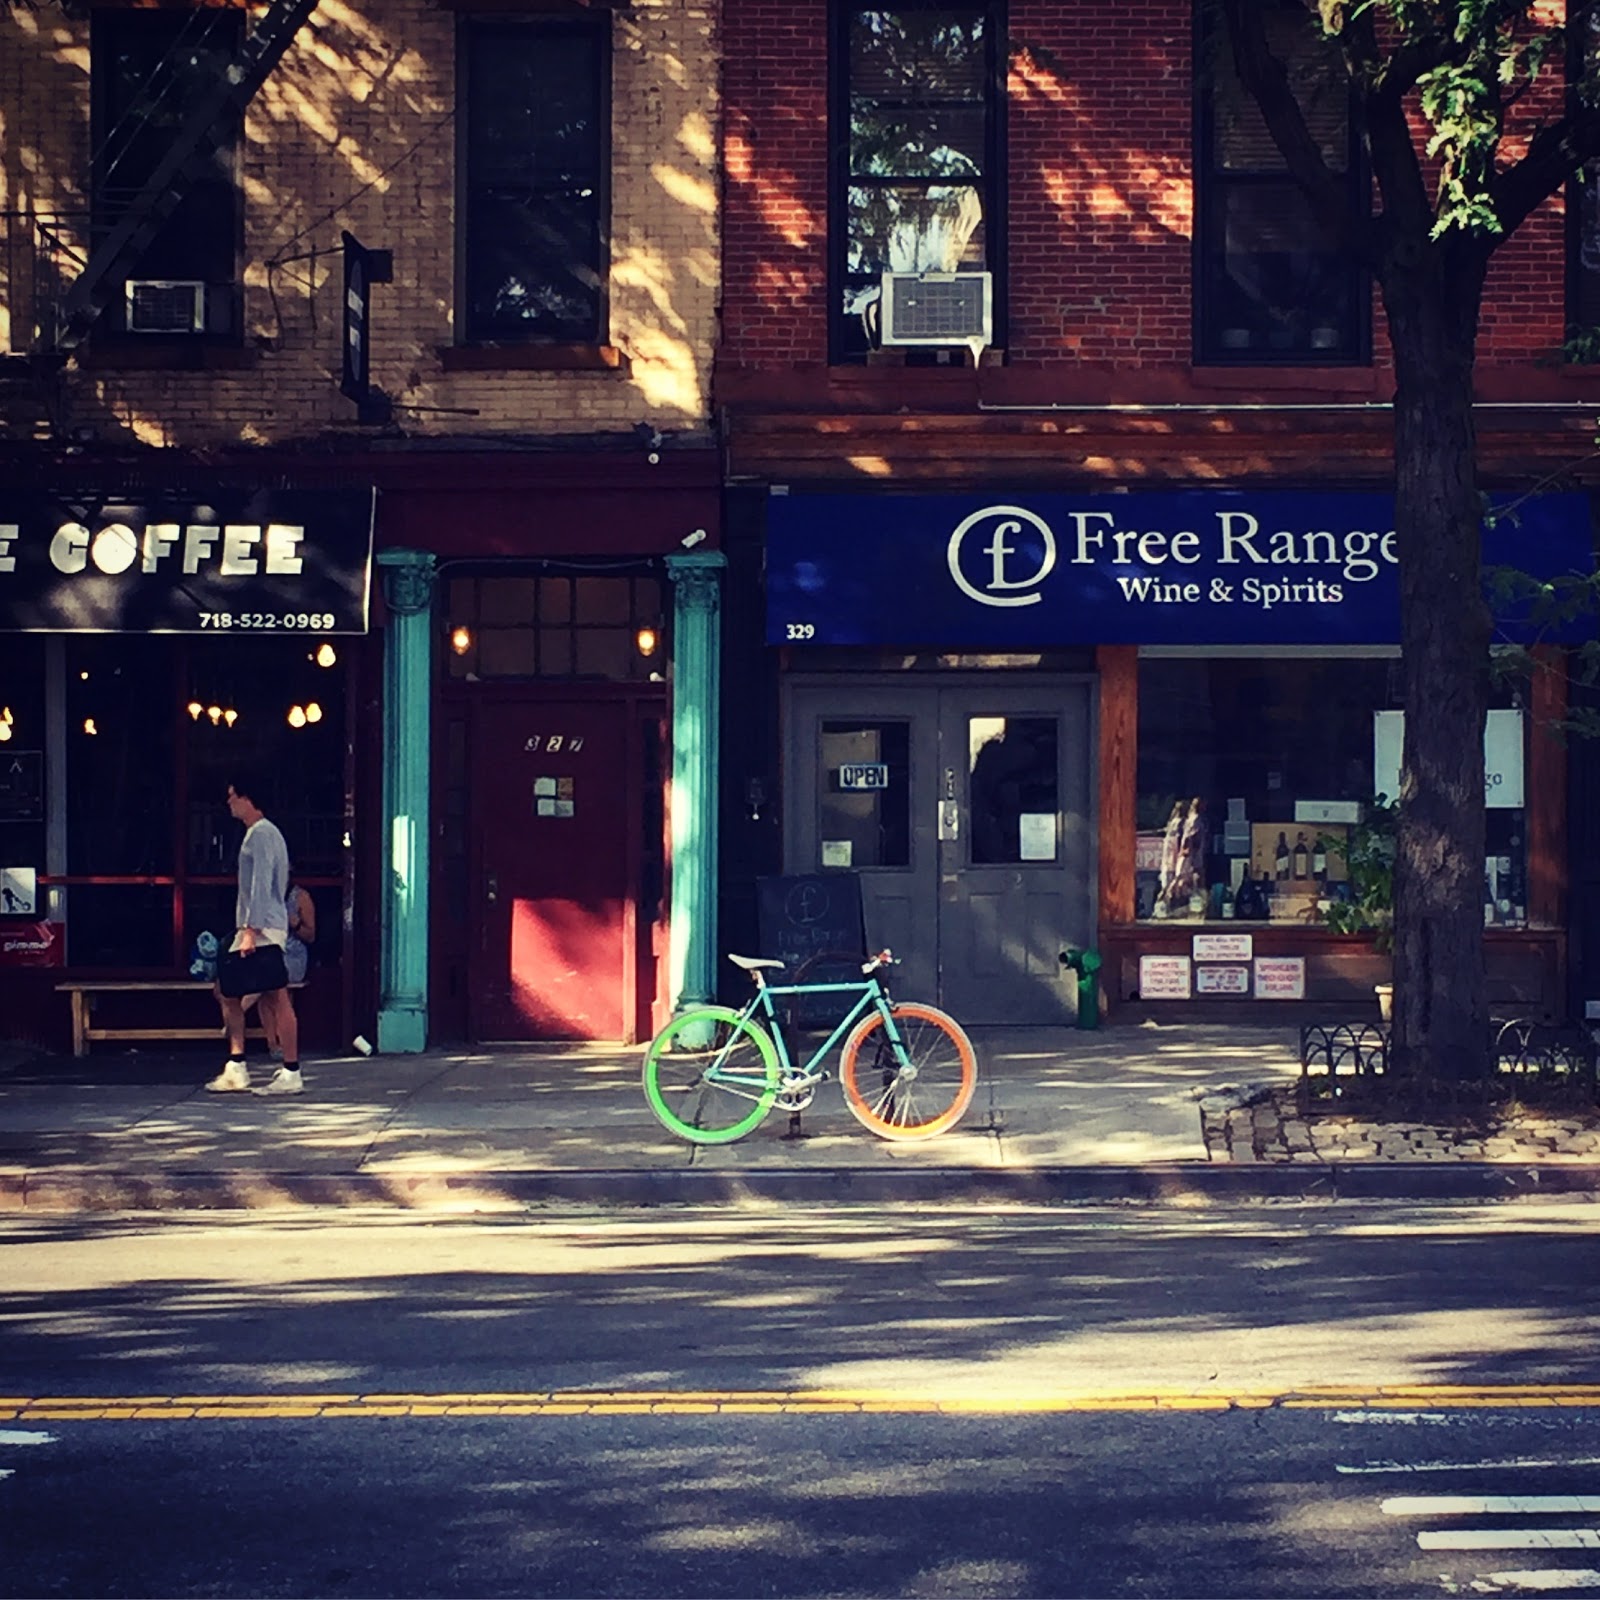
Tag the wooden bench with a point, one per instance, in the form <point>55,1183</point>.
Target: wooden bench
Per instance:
<point>83,992</point>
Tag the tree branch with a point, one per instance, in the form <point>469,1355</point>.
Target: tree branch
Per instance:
<point>1264,76</point>
<point>1554,154</point>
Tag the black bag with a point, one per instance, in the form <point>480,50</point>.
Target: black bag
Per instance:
<point>258,971</point>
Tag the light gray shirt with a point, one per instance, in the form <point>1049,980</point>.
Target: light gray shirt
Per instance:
<point>263,883</point>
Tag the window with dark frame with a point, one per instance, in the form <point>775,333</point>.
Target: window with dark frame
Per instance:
<point>917,162</point>
<point>1583,219</point>
<point>1270,285</point>
<point>536,97</point>
<point>148,68</point>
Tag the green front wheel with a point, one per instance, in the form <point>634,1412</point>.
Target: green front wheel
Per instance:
<point>711,1075</point>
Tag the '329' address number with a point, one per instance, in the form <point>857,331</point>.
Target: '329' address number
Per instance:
<point>800,630</point>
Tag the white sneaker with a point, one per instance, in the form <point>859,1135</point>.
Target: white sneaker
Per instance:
<point>233,1078</point>
<point>283,1081</point>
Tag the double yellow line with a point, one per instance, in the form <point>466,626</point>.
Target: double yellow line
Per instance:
<point>705,1402</point>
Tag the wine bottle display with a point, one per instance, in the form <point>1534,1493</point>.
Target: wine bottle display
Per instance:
<point>1302,857</point>
<point>1280,861</point>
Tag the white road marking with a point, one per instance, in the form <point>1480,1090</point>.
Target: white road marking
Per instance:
<point>1504,1464</point>
<point>1488,1505</point>
<point>1435,1418</point>
<point>1510,1539</point>
<point>25,1436</point>
<point>1547,1578</point>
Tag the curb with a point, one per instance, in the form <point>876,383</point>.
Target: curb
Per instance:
<point>1178,1185</point>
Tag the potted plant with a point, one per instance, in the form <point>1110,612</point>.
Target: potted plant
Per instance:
<point>1368,852</point>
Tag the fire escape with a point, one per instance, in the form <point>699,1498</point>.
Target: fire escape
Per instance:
<point>69,292</point>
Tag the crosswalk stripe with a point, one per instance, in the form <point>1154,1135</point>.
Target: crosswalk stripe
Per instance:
<point>1488,1505</point>
<point>1509,1539</point>
<point>1547,1578</point>
<point>1503,1464</point>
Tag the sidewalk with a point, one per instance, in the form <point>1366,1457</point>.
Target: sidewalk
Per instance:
<point>1060,1115</point>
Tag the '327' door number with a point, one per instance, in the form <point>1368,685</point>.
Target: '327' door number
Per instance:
<point>552,743</point>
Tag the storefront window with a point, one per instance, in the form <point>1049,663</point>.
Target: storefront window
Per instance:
<point>121,820</point>
<point>1014,790</point>
<point>1252,770</point>
<point>864,808</point>
<point>22,749</point>
<point>134,852</point>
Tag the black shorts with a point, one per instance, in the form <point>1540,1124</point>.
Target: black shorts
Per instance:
<point>258,971</point>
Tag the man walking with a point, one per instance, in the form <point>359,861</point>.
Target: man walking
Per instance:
<point>262,923</point>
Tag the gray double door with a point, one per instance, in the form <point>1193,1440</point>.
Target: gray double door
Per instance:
<point>963,806</point>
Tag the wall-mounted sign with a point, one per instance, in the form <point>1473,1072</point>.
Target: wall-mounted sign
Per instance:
<point>1222,979</point>
<point>864,775</point>
<point>1502,757</point>
<point>1223,946</point>
<point>33,944</point>
<point>264,562</point>
<point>19,892</point>
<point>1184,567</point>
<point>1164,977</point>
<point>1280,977</point>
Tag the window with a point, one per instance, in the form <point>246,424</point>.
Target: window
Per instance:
<point>536,155</point>
<point>148,69</point>
<point>1270,285</point>
<point>1257,766</point>
<point>864,810</point>
<point>1583,218</point>
<point>918,165</point>
<point>556,626</point>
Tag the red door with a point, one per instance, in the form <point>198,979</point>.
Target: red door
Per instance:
<point>560,855</point>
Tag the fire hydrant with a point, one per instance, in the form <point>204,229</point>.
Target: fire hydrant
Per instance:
<point>1086,963</point>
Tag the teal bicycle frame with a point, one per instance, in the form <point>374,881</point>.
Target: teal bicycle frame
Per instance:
<point>792,1079</point>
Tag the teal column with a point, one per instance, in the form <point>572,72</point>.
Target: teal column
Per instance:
<point>407,699</point>
<point>696,707</point>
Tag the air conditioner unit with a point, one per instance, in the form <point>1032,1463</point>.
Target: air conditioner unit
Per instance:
<point>166,305</point>
<point>939,308</point>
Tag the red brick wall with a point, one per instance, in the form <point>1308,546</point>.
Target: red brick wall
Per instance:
<point>1100,174</point>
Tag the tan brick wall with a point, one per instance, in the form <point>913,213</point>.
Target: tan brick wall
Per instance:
<point>355,130</point>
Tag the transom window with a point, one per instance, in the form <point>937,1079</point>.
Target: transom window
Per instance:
<point>1270,285</point>
<point>536,155</point>
<point>556,626</point>
<point>916,177</point>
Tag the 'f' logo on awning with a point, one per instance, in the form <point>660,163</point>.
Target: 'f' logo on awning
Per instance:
<point>1008,550</point>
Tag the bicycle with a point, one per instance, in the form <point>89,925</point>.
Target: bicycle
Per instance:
<point>908,1071</point>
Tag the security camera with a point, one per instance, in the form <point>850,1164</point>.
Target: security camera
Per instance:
<point>690,540</point>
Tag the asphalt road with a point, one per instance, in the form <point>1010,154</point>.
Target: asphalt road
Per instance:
<point>1262,1401</point>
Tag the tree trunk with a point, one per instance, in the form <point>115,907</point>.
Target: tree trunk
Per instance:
<point>1440,1010</point>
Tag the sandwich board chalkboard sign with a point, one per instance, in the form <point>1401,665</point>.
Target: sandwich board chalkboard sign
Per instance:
<point>812,923</point>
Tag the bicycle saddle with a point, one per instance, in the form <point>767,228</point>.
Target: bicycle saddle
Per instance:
<point>751,963</point>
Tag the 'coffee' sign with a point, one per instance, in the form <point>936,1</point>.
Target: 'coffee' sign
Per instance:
<point>264,562</point>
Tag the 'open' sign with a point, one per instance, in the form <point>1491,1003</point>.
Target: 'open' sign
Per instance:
<point>864,775</point>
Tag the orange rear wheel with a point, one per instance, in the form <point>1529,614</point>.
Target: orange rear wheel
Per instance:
<point>917,1089</point>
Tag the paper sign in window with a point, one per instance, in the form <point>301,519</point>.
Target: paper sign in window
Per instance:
<point>1037,836</point>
